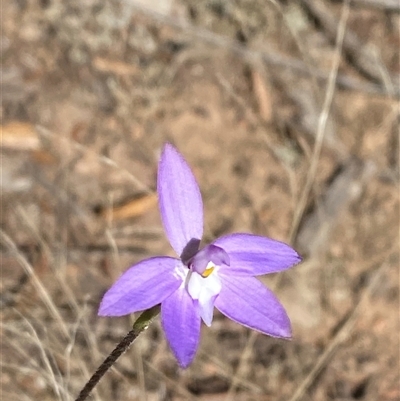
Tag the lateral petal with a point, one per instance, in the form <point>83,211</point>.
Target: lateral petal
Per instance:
<point>180,202</point>
<point>248,302</point>
<point>142,286</point>
<point>180,319</point>
<point>255,255</point>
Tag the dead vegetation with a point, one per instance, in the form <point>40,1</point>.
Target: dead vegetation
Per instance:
<point>288,113</point>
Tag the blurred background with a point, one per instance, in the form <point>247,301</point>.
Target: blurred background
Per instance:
<point>288,113</point>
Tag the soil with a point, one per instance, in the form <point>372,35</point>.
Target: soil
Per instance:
<point>90,93</point>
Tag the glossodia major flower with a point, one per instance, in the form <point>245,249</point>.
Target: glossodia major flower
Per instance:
<point>219,275</point>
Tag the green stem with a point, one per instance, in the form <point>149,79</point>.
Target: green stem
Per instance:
<point>141,324</point>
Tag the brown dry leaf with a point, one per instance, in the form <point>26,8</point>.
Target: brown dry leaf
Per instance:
<point>115,67</point>
<point>43,157</point>
<point>17,135</point>
<point>131,209</point>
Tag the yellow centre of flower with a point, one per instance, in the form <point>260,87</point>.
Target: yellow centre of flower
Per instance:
<point>209,269</point>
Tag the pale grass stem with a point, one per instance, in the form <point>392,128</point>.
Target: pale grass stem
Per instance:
<point>322,121</point>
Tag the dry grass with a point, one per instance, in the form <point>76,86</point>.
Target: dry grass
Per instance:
<point>288,137</point>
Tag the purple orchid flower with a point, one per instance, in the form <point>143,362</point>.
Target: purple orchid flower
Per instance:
<point>220,274</point>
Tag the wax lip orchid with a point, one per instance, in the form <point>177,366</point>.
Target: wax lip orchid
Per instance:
<point>219,275</point>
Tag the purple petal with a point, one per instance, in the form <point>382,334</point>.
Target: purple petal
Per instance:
<point>180,201</point>
<point>142,286</point>
<point>181,322</point>
<point>254,255</point>
<point>248,302</point>
<point>209,253</point>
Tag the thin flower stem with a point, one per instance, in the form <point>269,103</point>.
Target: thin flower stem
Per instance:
<point>106,365</point>
<point>140,325</point>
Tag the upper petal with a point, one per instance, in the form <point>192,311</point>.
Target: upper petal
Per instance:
<point>180,200</point>
<point>247,301</point>
<point>142,286</point>
<point>181,322</point>
<point>254,255</point>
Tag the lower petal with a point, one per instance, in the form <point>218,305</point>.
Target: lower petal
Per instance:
<point>181,322</point>
<point>204,290</point>
<point>142,286</point>
<point>248,302</point>
<point>206,305</point>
